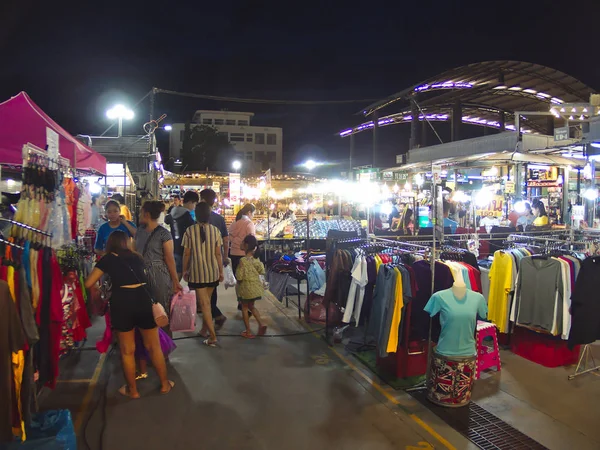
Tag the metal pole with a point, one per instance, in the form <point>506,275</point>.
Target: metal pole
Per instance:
<point>120,128</point>
<point>351,156</point>
<point>565,194</point>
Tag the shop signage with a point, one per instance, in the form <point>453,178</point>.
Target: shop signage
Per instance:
<point>401,176</point>
<point>493,209</point>
<point>268,178</point>
<point>542,183</point>
<point>561,133</point>
<point>509,187</point>
<point>318,201</point>
<point>436,170</point>
<point>235,187</point>
<point>388,175</point>
<point>52,143</point>
<point>577,216</point>
<point>216,186</point>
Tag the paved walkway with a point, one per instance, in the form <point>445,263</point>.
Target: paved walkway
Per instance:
<point>289,392</point>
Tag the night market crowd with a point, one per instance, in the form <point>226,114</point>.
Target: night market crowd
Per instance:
<point>140,269</point>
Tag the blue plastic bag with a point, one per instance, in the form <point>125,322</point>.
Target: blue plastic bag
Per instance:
<point>49,430</point>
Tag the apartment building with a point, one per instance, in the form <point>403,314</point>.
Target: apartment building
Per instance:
<point>259,148</point>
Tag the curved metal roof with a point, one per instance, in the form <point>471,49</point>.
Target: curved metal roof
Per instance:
<point>485,90</point>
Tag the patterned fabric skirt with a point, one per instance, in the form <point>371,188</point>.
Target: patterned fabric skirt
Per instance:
<point>160,284</point>
<point>450,379</point>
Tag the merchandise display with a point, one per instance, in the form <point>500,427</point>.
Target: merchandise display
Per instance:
<point>42,301</point>
<point>458,318</point>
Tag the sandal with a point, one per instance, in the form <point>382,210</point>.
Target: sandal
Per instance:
<point>124,391</point>
<point>141,376</point>
<point>262,330</point>
<point>171,386</point>
<point>247,335</point>
<point>210,343</point>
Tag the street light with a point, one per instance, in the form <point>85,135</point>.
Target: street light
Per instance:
<point>119,112</point>
<point>237,165</point>
<point>168,127</point>
<point>310,164</point>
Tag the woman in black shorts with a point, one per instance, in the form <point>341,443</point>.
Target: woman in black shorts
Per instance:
<point>130,308</point>
<point>203,265</point>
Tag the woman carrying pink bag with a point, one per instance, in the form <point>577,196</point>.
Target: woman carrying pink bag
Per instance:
<point>183,311</point>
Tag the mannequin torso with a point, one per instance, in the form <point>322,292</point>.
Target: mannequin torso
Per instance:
<point>459,289</point>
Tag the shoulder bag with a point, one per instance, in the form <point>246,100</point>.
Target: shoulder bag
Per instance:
<point>158,310</point>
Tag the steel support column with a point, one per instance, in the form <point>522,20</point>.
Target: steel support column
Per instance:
<point>414,125</point>
<point>351,162</point>
<point>375,138</point>
<point>456,121</point>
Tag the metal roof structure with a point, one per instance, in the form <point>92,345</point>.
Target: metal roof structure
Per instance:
<point>489,93</point>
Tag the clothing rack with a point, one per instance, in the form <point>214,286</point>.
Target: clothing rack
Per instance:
<point>12,244</point>
<point>32,153</point>
<point>583,365</point>
<point>27,227</point>
<point>337,242</point>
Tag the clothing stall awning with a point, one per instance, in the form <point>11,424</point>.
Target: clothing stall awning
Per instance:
<point>22,122</point>
<point>489,159</point>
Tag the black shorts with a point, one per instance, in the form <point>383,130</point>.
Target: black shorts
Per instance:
<point>214,284</point>
<point>131,308</point>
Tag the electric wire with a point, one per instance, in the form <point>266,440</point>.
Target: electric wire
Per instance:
<point>260,100</point>
<point>425,118</point>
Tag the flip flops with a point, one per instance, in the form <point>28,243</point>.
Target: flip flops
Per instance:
<point>247,335</point>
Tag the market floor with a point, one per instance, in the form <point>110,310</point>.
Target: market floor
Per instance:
<point>288,392</point>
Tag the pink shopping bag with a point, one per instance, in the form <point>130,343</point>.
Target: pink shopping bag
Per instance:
<point>183,311</point>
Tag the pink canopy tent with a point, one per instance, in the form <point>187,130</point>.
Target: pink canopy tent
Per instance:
<point>22,122</point>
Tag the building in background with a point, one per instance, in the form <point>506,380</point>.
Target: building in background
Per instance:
<point>258,148</point>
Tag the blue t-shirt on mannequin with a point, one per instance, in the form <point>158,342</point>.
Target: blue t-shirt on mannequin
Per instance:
<point>458,317</point>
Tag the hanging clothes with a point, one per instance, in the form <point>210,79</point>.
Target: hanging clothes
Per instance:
<point>12,341</point>
<point>585,304</point>
<point>356,293</point>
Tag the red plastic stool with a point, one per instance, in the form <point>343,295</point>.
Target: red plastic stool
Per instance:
<point>487,357</point>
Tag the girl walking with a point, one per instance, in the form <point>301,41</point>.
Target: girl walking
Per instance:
<point>130,309</point>
<point>250,287</point>
<point>203,265</point>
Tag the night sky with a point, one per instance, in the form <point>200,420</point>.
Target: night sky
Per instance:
<point>77,59</point>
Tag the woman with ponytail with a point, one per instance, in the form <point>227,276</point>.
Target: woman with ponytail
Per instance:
<point>203,265</point>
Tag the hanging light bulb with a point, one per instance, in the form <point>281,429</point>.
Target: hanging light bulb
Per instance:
<point>562,109</point>
<point>571,118</point>
<point>582,117</point>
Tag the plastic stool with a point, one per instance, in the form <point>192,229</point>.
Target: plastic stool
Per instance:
<point>487,357</point>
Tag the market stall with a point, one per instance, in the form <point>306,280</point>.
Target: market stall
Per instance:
<point>22,121</point>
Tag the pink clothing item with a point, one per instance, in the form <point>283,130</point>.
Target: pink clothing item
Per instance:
<point>237,233</point>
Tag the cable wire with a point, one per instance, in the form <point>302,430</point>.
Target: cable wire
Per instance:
<point>259,100</point>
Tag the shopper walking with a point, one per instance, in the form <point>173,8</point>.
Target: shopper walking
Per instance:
<point>180,219</point>
<point>115,222</point>
<point>130,308</point>
<point>203,265</point>
<point>250,285</point>
<point>209,197</point>
<point>238,231</point>
<point>155,244</point>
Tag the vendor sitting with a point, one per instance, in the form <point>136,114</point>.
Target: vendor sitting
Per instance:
<point>541,217</point>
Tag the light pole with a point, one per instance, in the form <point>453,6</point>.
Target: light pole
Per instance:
<point>119,112</point>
